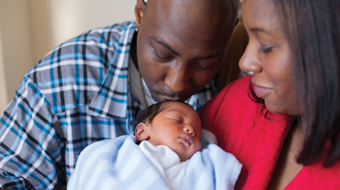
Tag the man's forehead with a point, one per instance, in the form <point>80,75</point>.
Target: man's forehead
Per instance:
<point>203,6</point>
<point>189,15</point>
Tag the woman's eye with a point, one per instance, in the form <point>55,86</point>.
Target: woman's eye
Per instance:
<point>266,50</point>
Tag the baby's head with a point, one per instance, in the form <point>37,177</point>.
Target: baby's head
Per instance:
<point>171,123</point>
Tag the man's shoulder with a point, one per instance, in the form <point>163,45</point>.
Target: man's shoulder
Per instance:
<point>118,28</point>
<point>86,57</point>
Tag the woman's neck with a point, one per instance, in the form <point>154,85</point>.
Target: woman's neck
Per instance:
<point>287,168</point>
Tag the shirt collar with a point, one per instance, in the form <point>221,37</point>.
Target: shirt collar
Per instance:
<point>112,97</point>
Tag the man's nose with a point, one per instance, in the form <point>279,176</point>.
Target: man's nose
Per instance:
<point>178,78</point>
<point>249,61</point>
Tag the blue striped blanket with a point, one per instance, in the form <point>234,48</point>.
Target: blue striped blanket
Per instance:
<point>120,164</point>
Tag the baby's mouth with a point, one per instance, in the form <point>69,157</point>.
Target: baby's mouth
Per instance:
<point>186,139</point>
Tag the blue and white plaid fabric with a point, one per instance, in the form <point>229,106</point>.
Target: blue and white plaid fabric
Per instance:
<point>76,95</point>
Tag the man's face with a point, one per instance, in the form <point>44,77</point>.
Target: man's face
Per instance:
<point>180,48</point>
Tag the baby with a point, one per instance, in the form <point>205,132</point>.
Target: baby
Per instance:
<point>163,154</point>
<point>173,124</point>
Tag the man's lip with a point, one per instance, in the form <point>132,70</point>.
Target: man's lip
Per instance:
<point>172,98</point>
<point>164,98</point>
<point>261,91</point>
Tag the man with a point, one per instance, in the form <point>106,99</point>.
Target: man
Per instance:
<point>94,86</point>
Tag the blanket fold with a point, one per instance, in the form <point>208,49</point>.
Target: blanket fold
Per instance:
<point>120,164</point>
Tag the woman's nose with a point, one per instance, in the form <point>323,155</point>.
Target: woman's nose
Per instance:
<point>189,130</point>
<point>249,61</point>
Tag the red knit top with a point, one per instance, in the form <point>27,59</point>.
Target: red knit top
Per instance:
<point>242,129</point>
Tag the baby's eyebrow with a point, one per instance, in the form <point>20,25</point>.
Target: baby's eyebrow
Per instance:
<point>177,110</point>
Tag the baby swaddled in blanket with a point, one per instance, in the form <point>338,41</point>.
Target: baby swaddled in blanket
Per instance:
<point>163,154</point>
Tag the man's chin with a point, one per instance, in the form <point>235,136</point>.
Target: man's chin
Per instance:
<point>162,99</point>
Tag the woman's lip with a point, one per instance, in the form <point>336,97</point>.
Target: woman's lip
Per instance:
<point>261,91</point>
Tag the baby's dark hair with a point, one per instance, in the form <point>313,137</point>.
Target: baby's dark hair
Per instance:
<point>150,112</point>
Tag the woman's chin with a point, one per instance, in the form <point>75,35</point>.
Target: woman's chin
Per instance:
<point>281,110</point>
<point>274,108</point>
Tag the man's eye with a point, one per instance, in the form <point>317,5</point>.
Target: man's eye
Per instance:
<point>202,67</point>
<point>160,57</point>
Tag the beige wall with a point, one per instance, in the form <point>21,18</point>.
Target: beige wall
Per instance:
<point>31,28</point>
<point>16,44</point>
<point>55,21</point>
<point>3,94</point>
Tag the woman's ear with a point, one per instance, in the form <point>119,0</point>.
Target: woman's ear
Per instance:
<point>139,11</point>
<point>142,132</point>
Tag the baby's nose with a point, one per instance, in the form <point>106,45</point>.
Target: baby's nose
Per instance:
<point>189,130</point>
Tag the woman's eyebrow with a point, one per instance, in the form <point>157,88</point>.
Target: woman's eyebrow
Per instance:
<point>257,29</point>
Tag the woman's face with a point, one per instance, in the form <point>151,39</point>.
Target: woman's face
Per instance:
<point>269,57</point>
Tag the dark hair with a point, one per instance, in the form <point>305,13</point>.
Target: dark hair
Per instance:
<point>150,113</point>
<point>312,28</point>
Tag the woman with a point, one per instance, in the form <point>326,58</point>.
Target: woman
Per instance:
<point>283,122</point>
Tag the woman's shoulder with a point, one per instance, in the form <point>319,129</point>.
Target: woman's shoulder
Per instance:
<point>247,130</point>
<point>235,94</point>
<point>241,85</point>
<point>235,100</point>
<point>231,108</point>
<point>315,176</point>
<point>232,97</point>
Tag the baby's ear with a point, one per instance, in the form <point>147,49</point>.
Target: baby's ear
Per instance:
<point>141,132</point>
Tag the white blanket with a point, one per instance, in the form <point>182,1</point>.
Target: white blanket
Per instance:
<point>120,164</point>
<point>167,163</point>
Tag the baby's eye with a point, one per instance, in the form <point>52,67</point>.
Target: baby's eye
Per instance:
<point>176,119</point>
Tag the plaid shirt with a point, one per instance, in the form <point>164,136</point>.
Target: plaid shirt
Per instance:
<point>77,94</point>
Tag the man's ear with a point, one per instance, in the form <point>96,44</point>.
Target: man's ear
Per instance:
<point>139,11</point>
<point>141,132</point>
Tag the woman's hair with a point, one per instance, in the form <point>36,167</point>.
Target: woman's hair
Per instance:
<point>312,28</point>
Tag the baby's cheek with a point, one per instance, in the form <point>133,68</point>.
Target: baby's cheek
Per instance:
<point>198,145</point>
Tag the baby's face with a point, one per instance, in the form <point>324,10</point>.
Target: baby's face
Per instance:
<point>179,127</point>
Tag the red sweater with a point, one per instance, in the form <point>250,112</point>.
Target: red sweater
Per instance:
<point>242,129</point>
